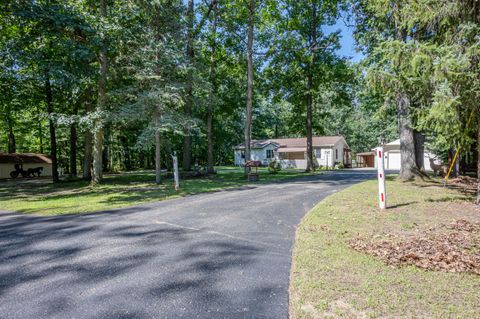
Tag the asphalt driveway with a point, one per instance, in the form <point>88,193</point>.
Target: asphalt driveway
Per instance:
<point>216,255</point>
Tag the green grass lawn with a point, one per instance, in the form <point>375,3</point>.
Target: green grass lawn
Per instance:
<point>331,280</point>
<point>117,190</point>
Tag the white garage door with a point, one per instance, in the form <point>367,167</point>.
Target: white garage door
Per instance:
<point>393,160</point>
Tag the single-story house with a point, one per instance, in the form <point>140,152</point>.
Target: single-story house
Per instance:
<point>392,156</point>
<point>292,152</point>
<point>18,165</point>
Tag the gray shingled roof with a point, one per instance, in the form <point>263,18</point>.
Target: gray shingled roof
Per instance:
<point>257,144</point>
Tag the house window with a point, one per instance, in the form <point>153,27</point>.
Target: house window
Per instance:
<point>270,154</point>
<point>318,153</point>
<point>336,153</point>
<point>242,154</point>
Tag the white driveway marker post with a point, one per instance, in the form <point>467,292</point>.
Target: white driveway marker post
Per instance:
<point>382,192</point>
<point>175,171</point>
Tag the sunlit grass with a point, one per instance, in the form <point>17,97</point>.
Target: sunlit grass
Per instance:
<point>118,190</point>
<point>331,280</point>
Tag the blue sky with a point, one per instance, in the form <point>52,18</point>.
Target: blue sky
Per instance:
<point>347,41</point>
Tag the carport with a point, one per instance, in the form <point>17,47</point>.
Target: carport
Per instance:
<point>366,159</point>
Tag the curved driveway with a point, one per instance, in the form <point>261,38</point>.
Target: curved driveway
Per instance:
<point>216,255</point>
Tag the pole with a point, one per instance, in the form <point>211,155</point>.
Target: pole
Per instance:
<point>175,171</point>
<point>445,180</point>
<point>382,192</point>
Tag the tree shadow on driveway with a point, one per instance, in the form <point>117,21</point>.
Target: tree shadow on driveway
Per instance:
<point>126,263</point>
<point>96,266</point>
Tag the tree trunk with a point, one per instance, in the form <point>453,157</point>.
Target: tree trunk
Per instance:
<point>419,149</point>
<point>168,152</point>
<point>309,125</point>
<point>187,140</point>
<point>73,150</point>
<point>97,171</point>
<point>158,141</point>
<point>73,146</point>
<point>312,43</point>
<point>53,138</point>
<point>213,94</point>
<point>40,131</point>
<point>408,167</point>
<point>248,117</point>
<point>87,160</point>
<point>12,146</point>
<point>106,167</point>
<point>478,161</point>
<point>97,154</point>
<point>158,146</point>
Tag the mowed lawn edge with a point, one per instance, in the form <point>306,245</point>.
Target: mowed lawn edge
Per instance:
<point>331,280</point>
<point>121,190</point>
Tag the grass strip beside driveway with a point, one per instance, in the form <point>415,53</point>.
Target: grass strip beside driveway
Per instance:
<point>118,190</point>
<point>331,280</point>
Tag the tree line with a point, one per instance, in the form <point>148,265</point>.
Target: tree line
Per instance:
<point>423,58</point>
<point>120,84</point>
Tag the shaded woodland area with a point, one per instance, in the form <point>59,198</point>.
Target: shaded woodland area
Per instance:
<point>105,86</point>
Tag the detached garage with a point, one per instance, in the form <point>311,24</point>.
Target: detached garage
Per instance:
<point>393,159</point>
<point>25,165</point>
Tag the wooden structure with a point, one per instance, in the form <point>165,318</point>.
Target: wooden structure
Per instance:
<point>366,159</point>
<point>253,175</point>
<point>16,165</point>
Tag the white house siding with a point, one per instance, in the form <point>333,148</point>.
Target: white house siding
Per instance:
<point>238,160</point>
<point>324,156</point>
<point>320,153</point>
<point>6,168</point>
<point>256,154</point>
<point>300,164</point>
<point>339,147</point>
<point>321,157</point>
<point>331,159</point>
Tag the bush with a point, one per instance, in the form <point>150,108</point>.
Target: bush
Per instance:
<point>274,167</point>
<point>339,166</point>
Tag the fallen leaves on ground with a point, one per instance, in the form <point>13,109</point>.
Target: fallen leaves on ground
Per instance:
<point>451,247</point>
<point>466,184</point>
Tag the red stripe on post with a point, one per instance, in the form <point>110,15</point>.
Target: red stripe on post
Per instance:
<point>383,199</point>
<point>379,153</point>
<point>381,175</point>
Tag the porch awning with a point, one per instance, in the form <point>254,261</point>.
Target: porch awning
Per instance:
<point>291,149</point>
